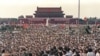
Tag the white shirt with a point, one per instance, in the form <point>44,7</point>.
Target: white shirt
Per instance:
<point>73,54</point>
<point>91,54</point>
<point>97,54</point>
<point>69,53</point>
<point>63,55</point>
<point>5,54</point>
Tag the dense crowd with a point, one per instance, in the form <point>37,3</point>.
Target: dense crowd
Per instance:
<point>40,40</point>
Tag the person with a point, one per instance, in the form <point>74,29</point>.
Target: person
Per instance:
<point>5,53</point>
<point>82,53</point>
<point>98,52</point>
<point>90,52</point>
<point>30,54</point>
<point>75,53</point>
<point>68,52</point>
<point>64,53</point>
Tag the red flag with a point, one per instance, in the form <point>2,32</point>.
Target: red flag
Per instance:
<point>25,26</point>
<point>62,26</point>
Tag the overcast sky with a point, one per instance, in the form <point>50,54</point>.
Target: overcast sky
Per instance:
<point>15,8</point>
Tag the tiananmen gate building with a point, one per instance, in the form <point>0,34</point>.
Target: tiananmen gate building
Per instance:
<point>55,15</point>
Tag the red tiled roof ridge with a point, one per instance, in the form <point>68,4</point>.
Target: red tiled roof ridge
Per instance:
<point>49,7</point>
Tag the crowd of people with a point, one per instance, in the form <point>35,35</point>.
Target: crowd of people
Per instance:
<point>40,40</point>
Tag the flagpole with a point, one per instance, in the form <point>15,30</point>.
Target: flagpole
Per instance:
<point>78,9</point>
<point>95,25</point>
<point>78,20</point>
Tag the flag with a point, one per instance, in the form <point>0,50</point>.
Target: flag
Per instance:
<point>25,26</point>
<point>62,26</point>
